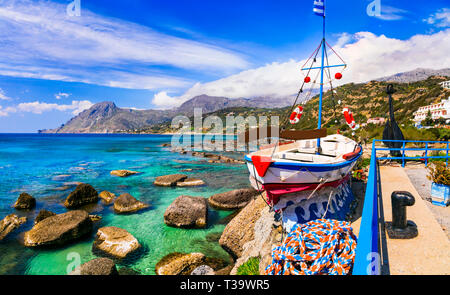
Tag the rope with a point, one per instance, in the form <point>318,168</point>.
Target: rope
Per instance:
<point>319,247</point>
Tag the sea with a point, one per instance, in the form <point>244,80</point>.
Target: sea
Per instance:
<point>47,166</point>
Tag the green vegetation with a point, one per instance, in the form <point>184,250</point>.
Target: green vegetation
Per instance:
<point>365,100</point>
<point>251,267</point>
<point>439,173</point>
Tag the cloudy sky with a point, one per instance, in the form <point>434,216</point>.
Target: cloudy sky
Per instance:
<point>157,54</point>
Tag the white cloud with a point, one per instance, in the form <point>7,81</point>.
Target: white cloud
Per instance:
<point>62,95</point>
<point>368,57</point>
<point>37,107</point>
<point>440,19</point>
<point>6,111</point>
<point>3,95</point>
<point>390,13</point>
<point>99,50</point>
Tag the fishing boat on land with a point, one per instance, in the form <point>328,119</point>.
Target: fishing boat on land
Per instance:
<point>310,159</point>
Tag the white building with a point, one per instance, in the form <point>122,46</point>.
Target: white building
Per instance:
<point>376,121</point>
<point>445,84</point>
<point>438,110</point>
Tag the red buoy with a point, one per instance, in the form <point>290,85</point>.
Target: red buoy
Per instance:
<point>307,79</point>
<point>338,76</point>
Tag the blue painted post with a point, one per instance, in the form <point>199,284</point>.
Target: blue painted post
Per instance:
<point>446,159</point>
<point>403,154</point>
<point>319,124</point>
<point>426,154</point>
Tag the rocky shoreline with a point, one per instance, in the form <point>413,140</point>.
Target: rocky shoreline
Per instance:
<point>113,244</point>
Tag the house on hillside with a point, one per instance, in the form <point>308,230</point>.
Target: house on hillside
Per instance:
<point>376,121</point>
<point>445,84</point>
<point>437,110</point>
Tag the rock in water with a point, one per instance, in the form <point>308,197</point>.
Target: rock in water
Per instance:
<point>123,173</point>
<point>116,242</point>
<point>235,199</point>
<point>25,202</point>
<point>84,194</point>
<point>126,203</point>
<point>203,270</point>
<point>169,180</point>
<point>107,197</point>
<point>179,263</point>
<point>97,267</point>
<point>187,212</point>
<point>59,229</point>
<point>95,218</point>
<point>42,215</point>
<point>190,182</point>
<point>9,224</point>
<point>240,230</point>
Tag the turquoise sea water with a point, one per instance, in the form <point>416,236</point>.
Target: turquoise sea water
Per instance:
<point>33,163</point>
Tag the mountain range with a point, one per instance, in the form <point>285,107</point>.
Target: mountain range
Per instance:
<point>415,75</point>
<point>106,117</point>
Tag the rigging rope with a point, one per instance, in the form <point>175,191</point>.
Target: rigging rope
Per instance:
<point>315,53</point>
<point>319,247</point>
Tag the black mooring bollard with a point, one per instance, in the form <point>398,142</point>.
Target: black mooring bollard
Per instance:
<point>401,227</point>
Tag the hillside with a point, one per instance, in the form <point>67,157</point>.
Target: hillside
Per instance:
<point>106,117</point>
<point>366,100</point>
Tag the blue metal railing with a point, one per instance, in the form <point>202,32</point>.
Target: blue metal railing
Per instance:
<point>368,258</point>
<point>426,149</point>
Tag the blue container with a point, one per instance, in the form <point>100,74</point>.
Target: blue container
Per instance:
<point>440,194</point>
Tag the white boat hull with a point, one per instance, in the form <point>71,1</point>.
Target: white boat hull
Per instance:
<point>312,169</point>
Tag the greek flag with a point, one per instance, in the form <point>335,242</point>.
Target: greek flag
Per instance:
<point>319,7</point>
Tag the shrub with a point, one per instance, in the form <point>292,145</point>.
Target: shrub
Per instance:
<point>251,267</point>
<point>439,173</point>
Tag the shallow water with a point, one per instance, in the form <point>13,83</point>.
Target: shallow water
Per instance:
<point>34,164</point>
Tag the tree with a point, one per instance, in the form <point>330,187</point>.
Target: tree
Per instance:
<point>428,119</point>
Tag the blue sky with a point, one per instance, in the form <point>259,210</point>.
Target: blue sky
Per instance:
<point>157,54</point>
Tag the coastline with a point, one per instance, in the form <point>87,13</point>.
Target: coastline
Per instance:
<point>92,165</point>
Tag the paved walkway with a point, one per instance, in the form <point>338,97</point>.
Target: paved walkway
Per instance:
<point>418,176</point>
<point>427,254</point>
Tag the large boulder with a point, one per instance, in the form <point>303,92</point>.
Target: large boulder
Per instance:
<point>97,267</point>
<point>179,263</point>
<point>126,203</point>
<point>187,212</point>
<point>169,180</point>
<point>107,197</point>
<point>42,215</point>
<point>25,202</point>
<point>9,224</point>
<point>123,173</point>
<point>59,229</point>
<point>84,194</point>
<point>235,199</point>
<point>240,229</point>
<point>115,242</point>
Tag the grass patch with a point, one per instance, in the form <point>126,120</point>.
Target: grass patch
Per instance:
<point>251,267</point>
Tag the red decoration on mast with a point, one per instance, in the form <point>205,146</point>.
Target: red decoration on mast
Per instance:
<point>307,79</point>
<point>338,76</point>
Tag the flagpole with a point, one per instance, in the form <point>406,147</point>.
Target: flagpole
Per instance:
<point>319,124</point>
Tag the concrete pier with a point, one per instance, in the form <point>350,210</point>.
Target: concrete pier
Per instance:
<point>429,252</point>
